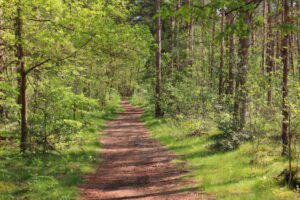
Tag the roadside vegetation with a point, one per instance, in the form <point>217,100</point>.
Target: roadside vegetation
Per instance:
<point>56,174</point>
<point>251,172</point>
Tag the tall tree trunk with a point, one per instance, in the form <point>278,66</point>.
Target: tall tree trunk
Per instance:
<point>291,41</point>
<point>253,38</point>
<point>173,23</point>
<point>2,62</point>
<point>212,55</point>
<point>158,111</point>
<point>221,90</point>
<point>90,74</point>
<point>263,59</point>
<point>278,49</point>
<point>22,81</point>
<point>291,53</point>
<point>178,37</point>
<point>1,106</point>
<point>190,40</point>
<point>242,91</point>
<point>230,19</point>
<point>298,62</point>
<point>285,90</point>
<point>278,19</point>
<point>269,52</point>
<point>190,28</point>
<point>298,37</point>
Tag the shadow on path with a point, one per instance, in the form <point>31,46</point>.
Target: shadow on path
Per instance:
<point>134,166</point>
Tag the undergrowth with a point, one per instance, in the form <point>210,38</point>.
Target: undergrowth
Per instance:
<point>229,175</point>
<point>55,174</point>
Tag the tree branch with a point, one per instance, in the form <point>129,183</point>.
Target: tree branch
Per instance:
<point>242,6</point>
<point>37,65</point>
<point>39,20</point>
<point>59,60</point>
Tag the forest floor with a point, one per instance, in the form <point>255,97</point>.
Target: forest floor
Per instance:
<point>57,174</point>
<point>134,166</point>
<point>228,175</point>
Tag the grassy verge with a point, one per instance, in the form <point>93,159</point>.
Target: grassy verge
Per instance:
<point>228,175</point>
<point>54,175</point>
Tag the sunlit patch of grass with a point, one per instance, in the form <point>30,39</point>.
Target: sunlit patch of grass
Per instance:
<point>54,175</point>
<point>229,175</point>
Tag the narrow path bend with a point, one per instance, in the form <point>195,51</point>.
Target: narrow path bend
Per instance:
<point>134,166</point>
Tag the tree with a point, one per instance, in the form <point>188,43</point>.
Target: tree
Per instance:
<point>222,53</point>
<point>212,47</point>
<point>231,56</point>
<point>243,54</point>
<point>285,89</point>
<point>2,63</point>
<point>178,28</point>
<point>22,79</point>
<point>190,40</point>
<point>269,51</point>
<point>298,38</point>
<point>158,111</point>
<point>263,59</point>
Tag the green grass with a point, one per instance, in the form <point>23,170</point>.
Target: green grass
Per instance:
<point>228,175</point>
<point>55,175</point>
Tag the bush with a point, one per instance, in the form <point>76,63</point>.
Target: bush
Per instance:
<point>58,113</point>
<point>229,139</point>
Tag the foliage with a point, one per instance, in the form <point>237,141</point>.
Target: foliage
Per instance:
<point>229,139</point>
<point>74,63</point>
<point>79,58</point>
<point>65,63</point>
<point>55,174</point>
<point>227,174</point>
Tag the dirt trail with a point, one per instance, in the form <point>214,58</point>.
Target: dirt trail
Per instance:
<point>134,166</point>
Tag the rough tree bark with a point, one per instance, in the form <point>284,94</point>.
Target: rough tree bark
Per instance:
<point>212,53</point>
<point>298,38</point>
<point>291,41</point>
<point>231,63</point>
<point>278,20</point>
<point>221,89</point>
<point>263,59</point>
<point>190,40</point>
<point>278,49</point>
<point>23,78</point>
<point>243,54</point>
<point>178,37</point>
<point>173,22</point>
<point>269,51</point>
<point>2,62</point>
<point>285,90</point>
<point>190,28</point>
<point>158,111</point>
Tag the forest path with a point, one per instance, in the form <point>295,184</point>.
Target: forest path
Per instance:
<point>134,166</point>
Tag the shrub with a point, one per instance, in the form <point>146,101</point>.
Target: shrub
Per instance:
<point>229,139</point>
